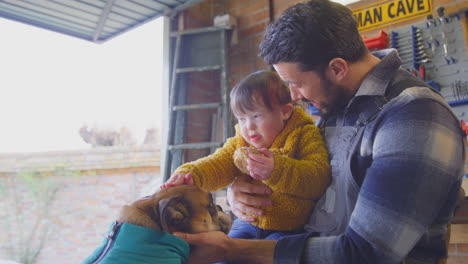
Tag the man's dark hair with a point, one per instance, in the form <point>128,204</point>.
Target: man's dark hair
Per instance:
<point>311,34</point>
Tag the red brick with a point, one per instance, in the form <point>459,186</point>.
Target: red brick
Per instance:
<point>281,6</point>
<point>252,30</point>
<point>257,41</point>
<point>259,4</point>
<point>195,19</point>
<point>452,248</point>
<point>234,5</point>
<point>279,10</point>
<point>93,203</point>
<point>243,22</point>
<point>462,209</point>
<point>258,38</point>
<point>462,248</point>
<point>360,4</point>
<point>457,259</point>
<point>260,64</point>
<point>234,80</point>
<point>253,6</point>
<point>260,16</point>
<point>240,68</point>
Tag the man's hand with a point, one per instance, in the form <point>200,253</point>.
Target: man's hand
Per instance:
<point>215,246</point>
<point>243,196</point>
<point>260,166</point>
<point>178,179</point>
<point>208,247</point>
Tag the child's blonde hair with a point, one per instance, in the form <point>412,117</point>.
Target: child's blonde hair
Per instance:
<point>265,86</point>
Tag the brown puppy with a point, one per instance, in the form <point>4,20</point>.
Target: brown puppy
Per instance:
<point>183,208</point>
<point>142,232</point>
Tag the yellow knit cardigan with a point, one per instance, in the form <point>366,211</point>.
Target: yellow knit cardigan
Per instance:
<point>300,175</point>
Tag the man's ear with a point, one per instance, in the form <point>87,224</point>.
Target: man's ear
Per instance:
<point>286,111</point>
<point>338,69</point>
<point>174,214</point>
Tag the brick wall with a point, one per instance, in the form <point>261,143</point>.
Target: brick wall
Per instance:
<point>88,198</point>
<point>252,17</point>
<point>203,89</point>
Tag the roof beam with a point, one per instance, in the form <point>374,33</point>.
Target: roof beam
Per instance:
<point>166,6</point>
<point>102,19</point>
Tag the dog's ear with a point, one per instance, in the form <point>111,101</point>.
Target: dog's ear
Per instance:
<point>175,214</point>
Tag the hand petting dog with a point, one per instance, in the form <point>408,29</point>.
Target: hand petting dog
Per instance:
<point>143,230</point>
<point>178,179</point>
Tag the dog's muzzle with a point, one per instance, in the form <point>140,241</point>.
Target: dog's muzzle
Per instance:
<point>225,220</point>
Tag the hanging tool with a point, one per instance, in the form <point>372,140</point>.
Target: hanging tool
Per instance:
<point>432,41</point>
<point>443,21</point>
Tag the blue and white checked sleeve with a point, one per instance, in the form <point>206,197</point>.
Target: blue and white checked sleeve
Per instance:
<point>417,162</point>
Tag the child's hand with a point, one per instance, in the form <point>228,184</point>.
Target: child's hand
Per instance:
<point>178,179</point>
<point>261,167</point>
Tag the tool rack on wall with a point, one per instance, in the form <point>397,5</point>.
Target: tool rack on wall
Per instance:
<point>436,51</point>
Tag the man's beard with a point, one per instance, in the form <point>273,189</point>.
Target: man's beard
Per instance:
<point>338,98</point>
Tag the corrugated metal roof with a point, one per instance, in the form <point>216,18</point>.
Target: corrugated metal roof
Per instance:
<point>93,20</point>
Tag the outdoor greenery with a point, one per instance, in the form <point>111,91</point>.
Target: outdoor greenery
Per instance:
<point>27,198</point>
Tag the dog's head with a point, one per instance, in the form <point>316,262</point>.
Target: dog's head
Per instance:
<point>183,208</point>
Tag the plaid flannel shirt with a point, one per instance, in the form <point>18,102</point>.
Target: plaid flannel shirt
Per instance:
<point>410,169</point>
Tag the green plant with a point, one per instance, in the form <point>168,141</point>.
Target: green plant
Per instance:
<point>28,197</point>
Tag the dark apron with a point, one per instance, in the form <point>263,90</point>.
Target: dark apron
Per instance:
<point>333,211</point>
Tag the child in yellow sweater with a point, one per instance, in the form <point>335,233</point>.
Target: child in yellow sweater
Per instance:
<point>294,163</point>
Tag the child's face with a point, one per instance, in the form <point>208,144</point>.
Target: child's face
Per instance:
<point>261,126</point>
